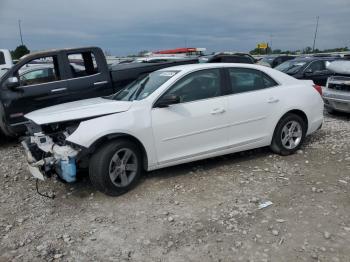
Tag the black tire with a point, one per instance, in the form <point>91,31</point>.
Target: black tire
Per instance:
<point>331,111</point>
<point>100,165</point>
<point>277,145</point>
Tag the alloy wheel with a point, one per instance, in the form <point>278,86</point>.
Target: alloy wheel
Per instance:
<point>291,134</point>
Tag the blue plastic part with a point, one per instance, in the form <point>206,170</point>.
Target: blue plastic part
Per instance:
<point>68,170</point>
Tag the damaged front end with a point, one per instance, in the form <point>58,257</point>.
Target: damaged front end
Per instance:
<point>49,153</point>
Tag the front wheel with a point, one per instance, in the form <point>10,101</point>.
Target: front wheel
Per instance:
<point>289,135</point>
<point>116,167</point>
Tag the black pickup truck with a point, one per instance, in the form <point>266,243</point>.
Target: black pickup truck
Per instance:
<point>53,77</point>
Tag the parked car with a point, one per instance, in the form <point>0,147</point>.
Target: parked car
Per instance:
<point>336,95</point>
<point>78,73</point>
<point>312,68</point>
<point>228,58</point>
<point>5,61</point>
<point>274,60</point>
<point>172,116</point>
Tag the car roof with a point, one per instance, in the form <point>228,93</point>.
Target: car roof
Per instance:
<point>193,67</point>
<point>277,75</point>
<point>312,58</point>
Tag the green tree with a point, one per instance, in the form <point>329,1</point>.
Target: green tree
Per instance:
<point>20,51</point>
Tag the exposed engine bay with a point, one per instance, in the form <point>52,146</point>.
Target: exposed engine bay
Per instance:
<point>49,153</point>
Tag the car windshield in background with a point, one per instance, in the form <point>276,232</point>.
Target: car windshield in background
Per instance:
<point>145,86</point>
<point>268,60</point>
<point>290,67</point>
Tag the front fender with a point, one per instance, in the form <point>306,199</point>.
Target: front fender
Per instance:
<point>135,124</point>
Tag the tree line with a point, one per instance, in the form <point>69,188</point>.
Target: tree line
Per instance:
<point>306,50</point>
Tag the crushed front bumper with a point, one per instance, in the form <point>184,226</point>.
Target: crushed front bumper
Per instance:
<point>45,158</point>
<point>36,167</point>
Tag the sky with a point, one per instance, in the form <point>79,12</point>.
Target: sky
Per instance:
<point>124,27</point>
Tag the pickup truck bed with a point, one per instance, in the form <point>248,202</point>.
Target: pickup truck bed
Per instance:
<point>123,74</point>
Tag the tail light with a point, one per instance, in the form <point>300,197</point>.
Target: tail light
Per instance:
<point>318,89</point>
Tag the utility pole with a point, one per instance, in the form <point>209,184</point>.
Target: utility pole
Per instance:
<point>20,30</point>
<point>271,42</point>
<point>313,46</point>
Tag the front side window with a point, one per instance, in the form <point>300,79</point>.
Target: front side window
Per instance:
<point>82,64</point>
<point>39,71</point>
<point>245,80</point>
<point>317,66</point>
<point>199,85</point>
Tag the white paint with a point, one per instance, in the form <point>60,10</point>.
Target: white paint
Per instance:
<point>195,130</point>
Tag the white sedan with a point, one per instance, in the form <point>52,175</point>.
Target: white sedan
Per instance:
<point>172,116</point>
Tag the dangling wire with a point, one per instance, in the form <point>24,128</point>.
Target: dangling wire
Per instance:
<point>41,194</point>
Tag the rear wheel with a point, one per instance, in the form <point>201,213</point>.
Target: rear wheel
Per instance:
<point>116,167</point>
<point>289,135</point>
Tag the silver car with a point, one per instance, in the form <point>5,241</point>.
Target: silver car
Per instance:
<point>336,95</point>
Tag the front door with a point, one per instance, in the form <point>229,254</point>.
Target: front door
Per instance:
<point>195,126</point>
<point>41,85</point>
<point>317,72</point>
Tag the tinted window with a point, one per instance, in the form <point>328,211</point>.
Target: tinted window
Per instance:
<point>245,80</point>
<point>198,85</point>
<point>317,66</point>
<point>82,64</point>
<point>2,58</point>
<point>39,71</point>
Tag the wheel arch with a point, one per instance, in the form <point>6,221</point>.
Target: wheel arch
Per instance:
<point>297,112</point>
<point>109,137</point>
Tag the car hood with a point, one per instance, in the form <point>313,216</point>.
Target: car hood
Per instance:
<point>78,110</point>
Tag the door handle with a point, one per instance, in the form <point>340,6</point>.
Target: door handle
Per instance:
<point>217,111</point>
<point>273,100</point>
<point>100,83</point>
<point>58,90</point>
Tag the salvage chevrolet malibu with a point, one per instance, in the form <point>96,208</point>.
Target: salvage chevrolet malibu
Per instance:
<point>172,116</point>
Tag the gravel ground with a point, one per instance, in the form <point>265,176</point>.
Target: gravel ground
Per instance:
<point>203,211</point>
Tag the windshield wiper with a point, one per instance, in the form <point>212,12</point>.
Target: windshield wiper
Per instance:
<point>139,90</point>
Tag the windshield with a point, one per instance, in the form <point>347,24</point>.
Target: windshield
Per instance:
<point>267,59</point>
<point>290,67</point>
<point>143,87</point>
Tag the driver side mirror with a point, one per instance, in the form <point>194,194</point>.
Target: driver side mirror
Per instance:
<point>167,100</point>
<point>308,72</point>
<point>12,82</point>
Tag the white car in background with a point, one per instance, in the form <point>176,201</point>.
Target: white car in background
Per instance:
<point>172,116</point>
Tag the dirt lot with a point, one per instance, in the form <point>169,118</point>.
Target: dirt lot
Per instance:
<point>204,211</point>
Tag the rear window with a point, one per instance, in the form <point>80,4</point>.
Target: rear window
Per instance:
<point>2,58</point>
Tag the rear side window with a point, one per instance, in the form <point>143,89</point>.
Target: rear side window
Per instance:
<point>2,58</point>
<point>82,64</point>
<point>246,80</point>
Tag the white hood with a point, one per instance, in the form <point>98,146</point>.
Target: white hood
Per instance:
<point>78,110</point>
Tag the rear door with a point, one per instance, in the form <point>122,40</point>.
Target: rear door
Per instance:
<point>86,78</point>
<point>41,85</point>
<point>250,107</point>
